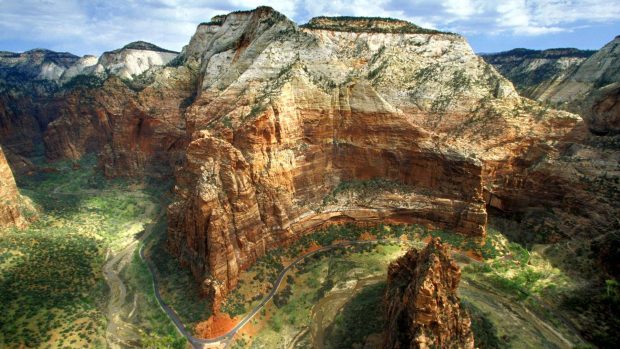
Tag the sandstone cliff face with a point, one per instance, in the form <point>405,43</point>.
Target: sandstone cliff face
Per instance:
<point>12,205</point>
<point>36,64</point>
<point>264,121</point>
<point>533,72</point>
<point>422,306</point>
<point>284,114</point>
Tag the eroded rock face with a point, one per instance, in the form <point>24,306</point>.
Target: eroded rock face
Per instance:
<point>12,205</point>
<point>263,122</point>
<point>283,115</point>
<point>421,302</point>
<point>133,59</point>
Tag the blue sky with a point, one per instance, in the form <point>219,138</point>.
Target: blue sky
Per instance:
<point>93,26</point>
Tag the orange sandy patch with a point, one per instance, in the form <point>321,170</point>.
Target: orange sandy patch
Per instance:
<point>367,236</point>
<point>251,328</point>
<point>215,326</point>
<point>474,255</point>
<point>403,238</point>
<point>313,247</point>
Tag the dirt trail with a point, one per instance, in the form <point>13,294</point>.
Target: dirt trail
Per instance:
<point>118,332</point>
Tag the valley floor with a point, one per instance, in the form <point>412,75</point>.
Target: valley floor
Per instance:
<point>54,293</point>
<point>75,278</point>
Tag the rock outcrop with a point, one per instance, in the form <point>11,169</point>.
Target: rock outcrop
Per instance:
<point>13,207</point>
<point>133,59</point>
<point>38,64</point>
<point>284,115</point>
<point>60,67</point>
<point>136,132</point>
<point>422,308</point>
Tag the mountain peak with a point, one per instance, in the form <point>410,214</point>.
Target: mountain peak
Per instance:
<point>144,46</point>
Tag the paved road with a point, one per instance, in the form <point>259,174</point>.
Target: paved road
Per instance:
<point>226,338</point>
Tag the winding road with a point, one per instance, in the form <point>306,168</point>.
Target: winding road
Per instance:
<point>225,339</point>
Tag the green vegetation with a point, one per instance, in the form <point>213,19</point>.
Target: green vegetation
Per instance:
<point>366,188</point>
<point>513,269</point>
<point>339,288</point>
<point>349,268</point>
<point>160,332</point>
<point>84,81</point>
<point>51,283</point>
<point>485,333</point>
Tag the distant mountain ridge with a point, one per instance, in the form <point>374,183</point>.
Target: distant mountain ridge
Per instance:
<point>581,81</point>
<point>61,67</point>
<point>534,71</point>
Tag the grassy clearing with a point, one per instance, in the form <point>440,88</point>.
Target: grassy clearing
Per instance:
<point>51,283</point>
<point>517,271</point>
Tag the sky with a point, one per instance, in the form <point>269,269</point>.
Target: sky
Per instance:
<point>94,26</point>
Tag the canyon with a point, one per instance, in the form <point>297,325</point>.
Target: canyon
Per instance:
<point>270,131</point>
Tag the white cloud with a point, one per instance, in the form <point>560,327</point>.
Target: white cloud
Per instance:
<point>462,8</point>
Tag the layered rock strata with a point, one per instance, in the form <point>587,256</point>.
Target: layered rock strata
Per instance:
<point>264,123</point>
<point>285,115</point>
<point>94,110</point>
<point>422,308</point>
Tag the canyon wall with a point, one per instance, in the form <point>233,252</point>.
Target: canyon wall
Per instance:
<point>535,71</point>
<point>285,116</point>
<point>125,106</point>
<point>269,129</point>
